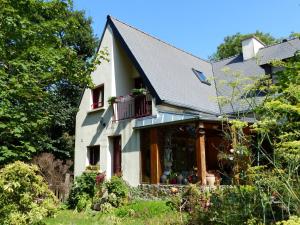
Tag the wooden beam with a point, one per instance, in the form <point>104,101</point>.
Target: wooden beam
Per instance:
<point>200,152</point>
<point>155,164</point>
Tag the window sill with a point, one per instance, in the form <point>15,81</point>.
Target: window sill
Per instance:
<point>96,110</point>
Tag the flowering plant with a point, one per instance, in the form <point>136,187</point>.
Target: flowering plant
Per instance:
<point>100,178</point>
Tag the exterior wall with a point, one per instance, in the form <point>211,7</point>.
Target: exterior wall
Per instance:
<point>250,47</point>
<point>96,127</point>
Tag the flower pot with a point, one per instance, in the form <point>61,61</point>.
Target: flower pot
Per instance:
<point>210,179</point>
<point>163,179</point>
<point>179,179</point>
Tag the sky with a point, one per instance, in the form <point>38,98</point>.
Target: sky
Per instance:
<point>197,26</point>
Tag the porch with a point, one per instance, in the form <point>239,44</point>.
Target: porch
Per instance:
<point>181,153</point>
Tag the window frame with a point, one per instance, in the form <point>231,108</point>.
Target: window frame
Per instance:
<point>91,160</point>
<point>100,103</point>
<point>198,73</point>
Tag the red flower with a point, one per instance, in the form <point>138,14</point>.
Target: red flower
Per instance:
<point>100,178</point>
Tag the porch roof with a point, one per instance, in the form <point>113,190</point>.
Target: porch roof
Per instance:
<point>168,118</point>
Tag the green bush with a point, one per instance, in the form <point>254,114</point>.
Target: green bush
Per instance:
<point>83,187</point>
<point>294,220</point>
<point>232,205</point>
<point>118,191</point>
<point>24,196</point>
<point>84,202</point>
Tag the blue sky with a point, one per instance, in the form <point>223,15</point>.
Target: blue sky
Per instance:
<point>197,26</point>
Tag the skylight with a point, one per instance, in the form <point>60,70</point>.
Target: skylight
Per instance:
<point>201,77</point>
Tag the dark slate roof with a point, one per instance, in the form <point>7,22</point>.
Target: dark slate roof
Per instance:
<point>249,70</point>
<point>169,70</point>
<point>279,51</point>
<point>231,70</point>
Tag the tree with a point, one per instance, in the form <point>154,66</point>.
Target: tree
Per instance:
<point>232,44</point>
<point>46,57</point>
<point>273,146</point>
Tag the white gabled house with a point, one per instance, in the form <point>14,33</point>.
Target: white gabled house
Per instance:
<point>153,114</point>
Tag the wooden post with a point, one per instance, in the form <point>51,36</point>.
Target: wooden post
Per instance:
<point>200,152</point>
<point>154,157</point>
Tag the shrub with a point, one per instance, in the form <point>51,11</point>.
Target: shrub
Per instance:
<point>120,190</point>
<point>84,186</point>
<point>294,220</point>
<point>24,196</point>
<point>84,201</point>
<point>106,207</point>
<point>232,205</point>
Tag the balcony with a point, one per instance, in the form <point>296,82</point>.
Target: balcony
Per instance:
<point>132,106</point>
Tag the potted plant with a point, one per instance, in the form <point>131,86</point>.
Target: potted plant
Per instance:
<point>111,100</point>
<point>173,178</point>
<point>139,91</point>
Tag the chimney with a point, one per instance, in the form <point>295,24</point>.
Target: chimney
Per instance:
<point>250,47</point>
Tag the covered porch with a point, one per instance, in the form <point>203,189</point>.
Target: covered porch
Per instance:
<point>181,151</point>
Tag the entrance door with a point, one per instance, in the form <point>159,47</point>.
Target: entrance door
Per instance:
<point>117,155</point>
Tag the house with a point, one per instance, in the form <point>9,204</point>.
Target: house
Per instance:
<point>154,110</point>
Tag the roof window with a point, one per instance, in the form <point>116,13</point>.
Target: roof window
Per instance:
<point>201,77</point>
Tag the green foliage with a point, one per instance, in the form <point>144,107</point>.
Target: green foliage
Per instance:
<point>192,198</point>
<point>106,207</point>
<point>280,114</point>
<point>46,51</point>
<point>118,191</point>
<point>84,202</point>
<point>83,189</point>
<point>279,127</point>
<point>138,91</point>
<point>232,205</point>
<point>111,100</point>
<point>274,143</point>
<point>294,220</point>
<point>24,196</point>
<point>143,209</point>
<point>159,216</point>
<point>232,45</point>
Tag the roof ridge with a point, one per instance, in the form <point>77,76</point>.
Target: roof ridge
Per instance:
<point>149,35</point>
<point>267,46</point>
<point>229,57</point>
<point>278,43</point>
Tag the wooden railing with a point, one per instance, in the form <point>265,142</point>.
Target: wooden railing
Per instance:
<point>132,106</point>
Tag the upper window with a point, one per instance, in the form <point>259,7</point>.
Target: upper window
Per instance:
<point>98,97</point>
<point>94,155</point>
<point>201,77</point>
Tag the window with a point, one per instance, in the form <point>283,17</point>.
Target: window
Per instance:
<point>201,77</point>
<point>94,155</point>
<point>98,97</point>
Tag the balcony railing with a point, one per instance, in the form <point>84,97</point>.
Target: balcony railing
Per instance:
<point>132,106</point>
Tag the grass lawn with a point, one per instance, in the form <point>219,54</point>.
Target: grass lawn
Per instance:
<point>141,212</point>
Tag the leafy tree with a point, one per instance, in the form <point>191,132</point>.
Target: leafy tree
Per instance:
<point>46,56</point>
<point>232,44</point>
<point>279,115</point>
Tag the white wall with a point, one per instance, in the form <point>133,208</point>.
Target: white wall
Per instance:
<point>117,76</point>
<point>250,47</point>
